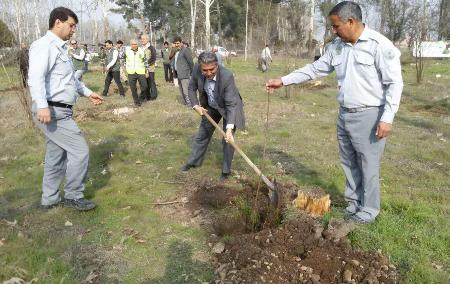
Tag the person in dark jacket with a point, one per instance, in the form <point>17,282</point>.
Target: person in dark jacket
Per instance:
<point>220,98</point>
<point>150,54</point>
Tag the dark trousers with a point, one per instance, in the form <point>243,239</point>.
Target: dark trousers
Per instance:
<point>116,76</point>
<point>132,81</point>
<point>202,139</point>
<point>152,92</point>
<point>168,74</point>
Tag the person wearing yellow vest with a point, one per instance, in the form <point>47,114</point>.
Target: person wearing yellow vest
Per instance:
<point>135,66</point>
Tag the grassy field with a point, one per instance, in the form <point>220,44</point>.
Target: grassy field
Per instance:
<point>135,161</point>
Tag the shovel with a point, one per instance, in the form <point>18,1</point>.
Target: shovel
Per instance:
<point>273,196</point>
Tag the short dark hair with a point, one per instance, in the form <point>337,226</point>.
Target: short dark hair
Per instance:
<point>119,42</point>
<point>346,10</point>
<point>62,14</point>
<point>177,39</point>
<point>166,43</point>
<point>108,41</point>
<point>207,57</point>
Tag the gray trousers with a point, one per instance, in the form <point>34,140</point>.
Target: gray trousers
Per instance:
<point>360,155</point>
<point>67,155</point>
<point>183,84</point>
<point>202,139</point>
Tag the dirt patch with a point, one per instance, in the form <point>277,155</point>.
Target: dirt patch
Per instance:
<point>299,251</point>
<point>253,242</point>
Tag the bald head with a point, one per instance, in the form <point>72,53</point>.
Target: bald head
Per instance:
<point>134,44</point>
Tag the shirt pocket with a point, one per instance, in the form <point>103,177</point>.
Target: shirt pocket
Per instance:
<point>63,65</point>
<point>336,62</point>
<point>365,65</point>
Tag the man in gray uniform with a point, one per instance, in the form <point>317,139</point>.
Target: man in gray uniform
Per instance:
<point>219,97</point>
<point>112,69</point>
<point>369,77</point>
<point>183,67</point>
<point>54,90</point>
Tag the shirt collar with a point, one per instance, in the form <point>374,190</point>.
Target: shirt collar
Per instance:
<point>365,34</point>
<point>57,40</point>
<point>213,79</point>
<point>147,45</point>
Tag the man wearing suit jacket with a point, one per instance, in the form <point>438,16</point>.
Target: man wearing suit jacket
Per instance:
<point>183,67</point>
<point>219,97</point>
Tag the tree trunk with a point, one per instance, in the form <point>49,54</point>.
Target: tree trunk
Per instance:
<point>246,32</point>
<point>219,28</point>
<point>444,12</point>
<point>36,21</point>
<point>193,18</point>
<point>207,4</point>
<point>17,5</point>
<point>311,27</point>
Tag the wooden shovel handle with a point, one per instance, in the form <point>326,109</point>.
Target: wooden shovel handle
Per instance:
<point>236,147</point>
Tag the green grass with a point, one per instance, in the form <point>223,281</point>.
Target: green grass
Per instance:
<point>412,229</point>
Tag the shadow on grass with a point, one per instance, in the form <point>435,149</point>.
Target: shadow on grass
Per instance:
<point>301,172</point>
<point>100,156</point>
<point>181,268</point>
<point>416,122</point>
<point>20,199</point>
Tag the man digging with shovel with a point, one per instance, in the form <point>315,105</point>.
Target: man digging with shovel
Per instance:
<point>370,85</point>
<point>219,98</point>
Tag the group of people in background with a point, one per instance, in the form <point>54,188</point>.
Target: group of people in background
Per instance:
<point>136,63</point>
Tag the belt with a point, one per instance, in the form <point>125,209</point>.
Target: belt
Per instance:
<point>358,109</point>
<point>57,104</point>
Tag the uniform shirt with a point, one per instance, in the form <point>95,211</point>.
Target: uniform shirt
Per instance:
<point>368,73</point>
<point>51,76</point>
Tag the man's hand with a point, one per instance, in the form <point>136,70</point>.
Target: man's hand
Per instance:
<point>383,130</point>
<point>95,99</point>
<point>43,115</point>
<point>200,110</point>
<point>229,136</point>
<point>273,84</point>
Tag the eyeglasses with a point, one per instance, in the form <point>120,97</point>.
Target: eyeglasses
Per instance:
<point>71,24</point>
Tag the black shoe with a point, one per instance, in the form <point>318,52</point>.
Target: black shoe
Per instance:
<point>103,95</point>
<point>79,204</point>
<point>225,176</point>
<point>47,207</point>
<point>186,167</point>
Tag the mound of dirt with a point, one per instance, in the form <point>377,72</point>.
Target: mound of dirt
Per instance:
<point>300,251</point>
<point>251,245</point>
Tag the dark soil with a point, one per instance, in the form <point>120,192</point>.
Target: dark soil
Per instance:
<point>260,248</point>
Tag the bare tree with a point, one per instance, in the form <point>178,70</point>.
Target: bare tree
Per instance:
<point>418,27</point>
<point>207,4</point>
<point>193,4</point>
<point>246,31</point>
<point>444,19</point>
